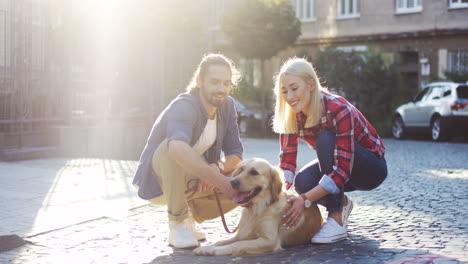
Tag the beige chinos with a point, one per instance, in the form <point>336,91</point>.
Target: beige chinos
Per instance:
<point>174,182</point>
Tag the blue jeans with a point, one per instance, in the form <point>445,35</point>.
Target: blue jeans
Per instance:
<point>368,171</point>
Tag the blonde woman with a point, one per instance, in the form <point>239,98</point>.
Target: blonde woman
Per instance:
<point>349,150</point>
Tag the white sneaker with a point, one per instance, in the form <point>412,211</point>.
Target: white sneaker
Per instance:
<point>181,236</point>
<point>199,235</point>
<point>330,232</point>
<point>346,212</point>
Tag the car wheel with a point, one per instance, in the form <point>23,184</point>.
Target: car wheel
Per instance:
<point>398,128</point>
<point>243,126</point>
<point>438,130</point>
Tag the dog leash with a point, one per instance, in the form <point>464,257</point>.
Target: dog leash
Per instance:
<point>222,215</point>
<point>190,192</point>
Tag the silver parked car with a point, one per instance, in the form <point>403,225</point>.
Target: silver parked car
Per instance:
<point>441,109</point>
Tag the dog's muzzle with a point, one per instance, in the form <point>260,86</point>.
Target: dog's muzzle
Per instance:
<point>235,183</point>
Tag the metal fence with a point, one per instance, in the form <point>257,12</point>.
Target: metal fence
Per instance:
<point>26,107</point>
<point>68,83</point>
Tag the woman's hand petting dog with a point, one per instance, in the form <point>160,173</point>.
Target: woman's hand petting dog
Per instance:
<point>295,211</point>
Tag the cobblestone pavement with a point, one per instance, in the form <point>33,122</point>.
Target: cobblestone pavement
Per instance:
<point>418,215</point>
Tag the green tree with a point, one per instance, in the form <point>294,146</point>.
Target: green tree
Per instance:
<point>456,76</point>
<point>369,80</point>
<point>259,29</point>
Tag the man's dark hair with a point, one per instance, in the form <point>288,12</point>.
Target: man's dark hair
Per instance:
<point>206,62</point>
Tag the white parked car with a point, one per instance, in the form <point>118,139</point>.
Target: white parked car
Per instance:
<point>441,109</point>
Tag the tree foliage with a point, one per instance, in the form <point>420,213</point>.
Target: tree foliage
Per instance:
<point>259,29</point>
<point>369,80</point>
<point>456,76</point>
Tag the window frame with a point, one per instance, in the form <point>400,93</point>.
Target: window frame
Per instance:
<point>303,8</point>
<point>346,15</point>
<point>408,10</point>
<point>420,95</point>
<point>435,93</point>
<point>456,59</point>
<point>457,5</point>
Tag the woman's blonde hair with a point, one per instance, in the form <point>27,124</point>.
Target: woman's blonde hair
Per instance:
<point>206,62</point>
<point>284,121</point>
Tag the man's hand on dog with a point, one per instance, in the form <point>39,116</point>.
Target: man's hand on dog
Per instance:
<point>226,189</point>
<point>294,213</point>
<point>204,186</point>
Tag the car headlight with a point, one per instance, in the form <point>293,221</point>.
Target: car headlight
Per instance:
<point>258,116</point>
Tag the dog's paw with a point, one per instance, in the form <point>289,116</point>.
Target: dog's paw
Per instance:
<point>204,251</point>
<point>222,250</point>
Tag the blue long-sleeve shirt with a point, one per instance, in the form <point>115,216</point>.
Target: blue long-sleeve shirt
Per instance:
<point>185,119</point>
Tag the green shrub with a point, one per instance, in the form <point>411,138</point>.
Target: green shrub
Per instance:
<point>370,80</point>
<point>456,76</point>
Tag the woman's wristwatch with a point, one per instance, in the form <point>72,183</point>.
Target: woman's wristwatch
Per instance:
<point>220,166</point>
<point>307,202</point>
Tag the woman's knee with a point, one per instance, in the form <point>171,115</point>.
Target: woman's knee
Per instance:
<point>307,179</point>
<point>300,183</point>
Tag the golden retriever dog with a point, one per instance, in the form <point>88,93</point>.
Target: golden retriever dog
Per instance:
<point>261,229</point>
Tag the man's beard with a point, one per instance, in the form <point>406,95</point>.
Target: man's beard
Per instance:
<point>212,98</point>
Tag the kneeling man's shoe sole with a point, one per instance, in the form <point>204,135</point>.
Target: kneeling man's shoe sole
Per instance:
<point>330,232</point>
<point>181,236</point>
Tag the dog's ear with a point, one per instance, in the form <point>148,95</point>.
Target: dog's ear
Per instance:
<point>276,183</point>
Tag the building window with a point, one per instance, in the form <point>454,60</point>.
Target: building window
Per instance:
<point>305,10</point>
<point>348,9</point>
<point>357,48</point>
<point>458,4</point>
<point>5,37</point>
<point>458,62</point>
<point>408,6</point>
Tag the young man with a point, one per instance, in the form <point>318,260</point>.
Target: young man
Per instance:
<point>184,149</point>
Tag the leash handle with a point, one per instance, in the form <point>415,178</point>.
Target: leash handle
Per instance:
<point>190,192</point>
<point>222,215</point>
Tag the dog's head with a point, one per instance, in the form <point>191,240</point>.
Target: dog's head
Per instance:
<point>256,179</point>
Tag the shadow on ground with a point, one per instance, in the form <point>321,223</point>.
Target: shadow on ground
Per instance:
<point>357,249</point>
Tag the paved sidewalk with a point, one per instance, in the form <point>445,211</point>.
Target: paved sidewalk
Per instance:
<point>86,211</point>
<point>45,194</point>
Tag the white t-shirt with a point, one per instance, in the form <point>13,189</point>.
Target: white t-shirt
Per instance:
<point>207,137</point>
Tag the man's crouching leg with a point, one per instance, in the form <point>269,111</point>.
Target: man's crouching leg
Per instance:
<point>173,180</point>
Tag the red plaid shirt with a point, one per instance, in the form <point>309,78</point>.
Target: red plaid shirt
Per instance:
<point>349,124</point>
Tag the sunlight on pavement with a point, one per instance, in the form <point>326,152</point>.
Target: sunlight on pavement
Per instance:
<point>447,173</point>
<point>55,193</point>
<point>84,189</point>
